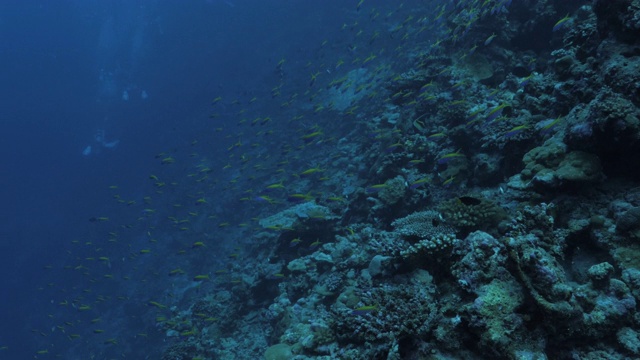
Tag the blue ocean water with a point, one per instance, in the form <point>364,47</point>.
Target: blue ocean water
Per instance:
<point>66,66</point>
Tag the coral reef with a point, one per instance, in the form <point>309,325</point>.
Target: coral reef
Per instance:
<point>488,213</point>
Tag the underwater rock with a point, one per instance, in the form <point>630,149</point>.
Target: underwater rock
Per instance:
<point>320,257</point>
<point>547,156</point>
<point>483,258</point>
<point>393,191</point>
<point>619,17</point>
<point>609,127</point>
<point>427,232</point>
<point>600,274</point>
<point>550,166</point>
<point>472,213</point>
<point>298,214</point>
<point>479,67</point>
<point>182,350</point>
<point>495,310</point>
<point>487,168</point>
<point>297,265</point>
<point>563,65</point>
<point>631,277</point>
<point>579,166</point>
<point>629,220</point>
<point>421,225</point>
<point>629,339</point>
<point>611,309</point>
<point>403,310</point>
<point>377,265</point>
<point>621,70</point>
<point>278,352</point>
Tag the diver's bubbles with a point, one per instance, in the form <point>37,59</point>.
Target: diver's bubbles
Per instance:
<point>99,136</point>
<point>111,144</point>
<point>134,92</point>
<point>101,142</point>
<point>108,86</point>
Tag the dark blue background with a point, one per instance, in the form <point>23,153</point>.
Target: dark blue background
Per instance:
<point>183,53</point>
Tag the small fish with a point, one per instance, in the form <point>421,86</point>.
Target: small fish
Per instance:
<point>168,160</point>
<point>448,182</point>
<point>448,157</point>
<point>313,78</point>
<point>364,310</point>
<point>525,81</point>
<point>264,198</point>
<point>375,188</point>
<point>393,147</point>
<point>473,116</point>
<point>314,244</point>
<point>418,183</point>
<point>515,131</point>
<point>201,278</point>
<point>496,112</point>
<point>547,128</point>
<point>419,124</point>
<point>298,198</point>
<point>436,136</point>
<point>277,276</point>
<point>275,186</point>
<point>424,87</point>
<point>489,39</point>
<point>295,242</point>
<point>311,171</point>
<point>561,23</point>
<point>156,304</point>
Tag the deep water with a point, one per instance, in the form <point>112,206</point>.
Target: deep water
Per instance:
<point>54,102</point>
